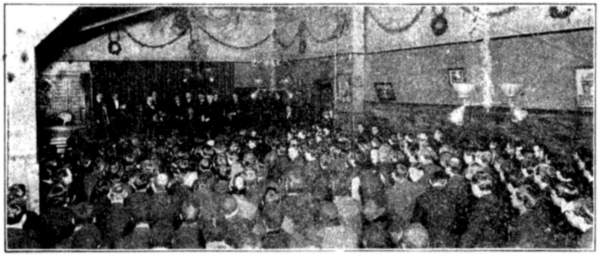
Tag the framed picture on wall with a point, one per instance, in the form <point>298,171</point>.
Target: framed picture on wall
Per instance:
<point>584,80</point>
<point>456,75</point>
<point>385,91</point>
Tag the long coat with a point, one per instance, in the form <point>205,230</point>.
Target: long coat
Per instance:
<point>487,227</point>
<point>436,211</point>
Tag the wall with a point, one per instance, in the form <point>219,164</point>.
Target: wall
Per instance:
<point>253,27</point>
<point>524,19</point>
<point>547,73</point>
<point>322,23</point>
<point>22,35</point>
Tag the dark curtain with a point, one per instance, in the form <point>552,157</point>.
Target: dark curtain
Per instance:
<point>134,80</point>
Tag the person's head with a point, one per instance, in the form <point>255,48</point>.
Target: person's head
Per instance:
<point>415,236</point>
<point>360,128</point>
<point>271,195</point>
<point>540,152</point>
<point>115,96</point>
<point>372,210</point>
<point>15,210</point>
<point>415,174</point>
<point>439,179</point>
<point>201,97</point>
<point>141,181</point>
<point>375,236</point>
<point>582,214</point>
<point>189,212</point>
<point>188,96</point>
<point>17,191</point>
<point>99,97</point>
<point>294,181</point>
<point>238,184</point>
<point>374,156</point>
<point>65,176</point>
<point>160,182</point>
<point>438,135</point>
<point>329,214</point>
<point>229,207</point>
<point>293,152</point>
<point>425,157</point>
<point>118,193</point>
<point>400,173</point>
<point>374,130</point>
<point>422,139</point>
<point>521,199</point>
<point>223,170</point>
<point>249,175</point>
<point>482,184</point>
<point>83,213</point>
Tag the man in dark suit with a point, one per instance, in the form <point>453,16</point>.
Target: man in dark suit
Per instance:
<point>436,211</point>
<point>100,116</point>
<point>115,111</point>
<point>22,225</point>
<point>150,113</point>
<point>486,226</point>
<point>177,112</point>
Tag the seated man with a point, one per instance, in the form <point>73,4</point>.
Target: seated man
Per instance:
<point>22,225</point>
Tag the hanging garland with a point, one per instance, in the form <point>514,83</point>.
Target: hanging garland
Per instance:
<point>493,14</point>
<point>281,43</point>
<point>398,29</point>
<point>245,47</point>
<point>502,12</point>
<point>139,42</point>
<point>341,27</point>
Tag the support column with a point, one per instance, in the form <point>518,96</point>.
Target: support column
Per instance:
<point>355,64</point>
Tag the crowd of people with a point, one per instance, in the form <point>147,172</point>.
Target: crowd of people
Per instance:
<point>204,111</point>
<point>300,185</point>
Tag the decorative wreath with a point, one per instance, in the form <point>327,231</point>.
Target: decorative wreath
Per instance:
<point>114,47</point>
<point>562,13</point>
<point>439,23</point>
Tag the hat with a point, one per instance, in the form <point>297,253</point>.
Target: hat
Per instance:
<point>228,205</point>
<point>204,164</point>
<point>141,180</point>
<point>161,180</point>
<point>372,211</point>
<point>17,191</point>
<point>329,211</point>
<point>221,187</point>
<point>83,211</point>
<point>189,178</point>
<point>118,191</point>
<point>416,236</point>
